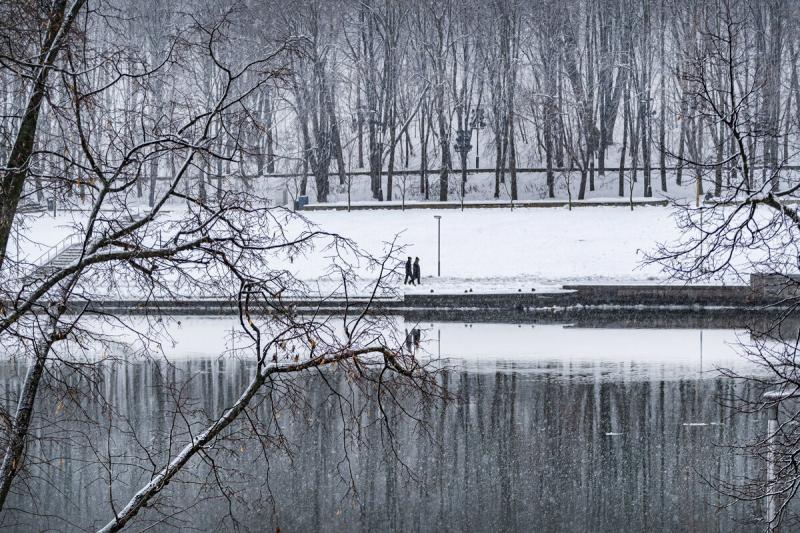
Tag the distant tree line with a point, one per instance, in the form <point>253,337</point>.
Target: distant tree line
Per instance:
<point>575,87</point>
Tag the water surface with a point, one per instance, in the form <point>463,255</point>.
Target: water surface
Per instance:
<point>551,430</point>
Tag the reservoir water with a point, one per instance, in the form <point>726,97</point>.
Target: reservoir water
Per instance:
<point>550,428</point>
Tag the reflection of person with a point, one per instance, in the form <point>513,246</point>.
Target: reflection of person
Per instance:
<point>416,273</point>
<point>409,273</point>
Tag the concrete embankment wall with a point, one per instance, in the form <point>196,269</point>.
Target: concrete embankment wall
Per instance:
<point>605,295</point>
<point>692,298</point>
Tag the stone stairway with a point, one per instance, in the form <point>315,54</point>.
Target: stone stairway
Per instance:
<point>68,256</point>
<point>61,255</point>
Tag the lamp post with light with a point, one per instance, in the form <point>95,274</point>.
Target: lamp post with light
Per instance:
<point>463,147</point>
<point>478,123</point>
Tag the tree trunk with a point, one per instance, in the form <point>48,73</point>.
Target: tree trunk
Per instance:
<point>270,134</point>
<point>219,171</point>
<point>423,154</point>
<point>633,135</point>
<point>444,143</point>
<point>336,140</point>
<point>684,120</point>
<point>201,182</point>
<point>392,150</point>
<point>582,188</point>
<point>512,161</point>
<point>662,129</point>
<point>59,24</point>
<point>548,146</point>
<point>698,169</point>
<point>13,458</point>
<point>151,198</point>
<point>497,165</point>
<point>625,120</point>
<point>644,122</point>
<point>359,124</point>
<point>720,155</point>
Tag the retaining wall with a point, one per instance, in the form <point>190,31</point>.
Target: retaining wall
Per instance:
<point>637,297</point>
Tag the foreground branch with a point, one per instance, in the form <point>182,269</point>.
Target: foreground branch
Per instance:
<point>197,444</point>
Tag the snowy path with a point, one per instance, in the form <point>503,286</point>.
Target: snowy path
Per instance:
<point>493,250</point>
<point>485,250</point>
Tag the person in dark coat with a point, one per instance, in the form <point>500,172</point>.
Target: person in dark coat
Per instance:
<point>409,273</point>
<point>416,274</point>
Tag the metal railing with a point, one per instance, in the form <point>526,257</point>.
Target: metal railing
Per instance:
<point>55,251</point>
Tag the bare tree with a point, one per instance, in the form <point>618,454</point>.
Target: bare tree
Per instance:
<point>226,245</point>
<point>59,19</point>
<point>750,229</point>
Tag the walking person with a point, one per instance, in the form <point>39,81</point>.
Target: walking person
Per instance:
<point>409,273</point>
<point>417,335</point>
<point>416,273</point>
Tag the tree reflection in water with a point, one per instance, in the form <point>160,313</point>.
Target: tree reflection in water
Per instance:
<point>526,446</point>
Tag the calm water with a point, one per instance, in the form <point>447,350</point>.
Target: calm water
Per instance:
<point>531,444</point>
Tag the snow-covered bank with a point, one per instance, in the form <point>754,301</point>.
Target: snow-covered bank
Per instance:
<point>498,250</point>
<point>483,250</point>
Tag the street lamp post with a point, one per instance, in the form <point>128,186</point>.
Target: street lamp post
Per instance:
<point>463,147</point>
<point>438,245</point>
<point>478,123</point>
<point>477,148</point>
<point>773,498</point>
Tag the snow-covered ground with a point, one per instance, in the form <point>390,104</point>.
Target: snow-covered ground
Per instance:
<point>34,233</point>
<point>501,250</point>
<point>486,250</point>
